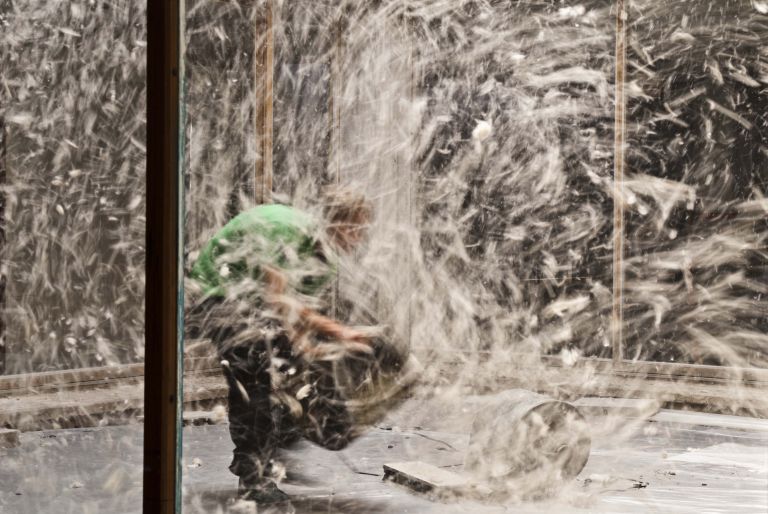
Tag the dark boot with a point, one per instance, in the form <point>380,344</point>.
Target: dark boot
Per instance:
<point>263,491</point>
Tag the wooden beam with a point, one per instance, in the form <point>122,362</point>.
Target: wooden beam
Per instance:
<point>3,278</point>
<point>682,373</point>
<point>65,379</point>
<point>84,378</point>
<point>617,315</point>
<point>88,378</point>
<point>693,373</point>
<point>202,360</point>
<point>123,400</point>
<point>573,382</point>
<point>163,296</point>
<point>263,76</point>
<point>85,408</point>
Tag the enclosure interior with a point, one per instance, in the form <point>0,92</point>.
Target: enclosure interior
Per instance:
<point>569,197</point>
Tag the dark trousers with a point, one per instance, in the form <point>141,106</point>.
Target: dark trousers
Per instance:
<point>275,396</point>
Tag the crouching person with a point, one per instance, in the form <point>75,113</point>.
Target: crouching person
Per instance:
<point>260,279</point>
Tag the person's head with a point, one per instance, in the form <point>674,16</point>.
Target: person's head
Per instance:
<point>347,216</point>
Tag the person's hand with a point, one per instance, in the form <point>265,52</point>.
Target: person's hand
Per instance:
<point>335,351</point>
<point>354,336</point>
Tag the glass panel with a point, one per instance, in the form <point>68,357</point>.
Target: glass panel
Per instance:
<point>74,175</point>
<point>482,136</point>
<point>221,158</point>
<point>72,167</point>
<point>695,186</point>
<point>487,174</point>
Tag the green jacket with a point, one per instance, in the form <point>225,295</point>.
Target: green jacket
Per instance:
<point>275,235</point>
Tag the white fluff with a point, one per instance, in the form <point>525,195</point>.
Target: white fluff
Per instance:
<point>571,12</point>
<point>304,391</point>
<point>482,131</point>
<point>219,414</point>
<point>569,357</point>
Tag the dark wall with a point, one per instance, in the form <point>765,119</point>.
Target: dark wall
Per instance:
<point>73,101</point>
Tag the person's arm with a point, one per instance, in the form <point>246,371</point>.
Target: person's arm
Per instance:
<point>330,327</point>
<point>275,283</point>
<point>275,288</point>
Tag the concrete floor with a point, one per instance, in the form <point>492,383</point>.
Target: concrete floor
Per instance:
<point>672,463</point>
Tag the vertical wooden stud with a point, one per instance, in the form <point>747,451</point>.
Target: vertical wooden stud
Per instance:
<point>263,73</point>
<point>3,278</point>
<point>617,317</point>
<point>164,245</point>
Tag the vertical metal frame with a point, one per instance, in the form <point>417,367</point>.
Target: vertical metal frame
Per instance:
<point>164,301</point>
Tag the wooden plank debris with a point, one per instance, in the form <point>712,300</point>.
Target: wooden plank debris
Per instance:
<point>424,477</point>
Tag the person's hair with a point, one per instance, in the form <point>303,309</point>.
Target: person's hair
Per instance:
<point>344,205</point>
